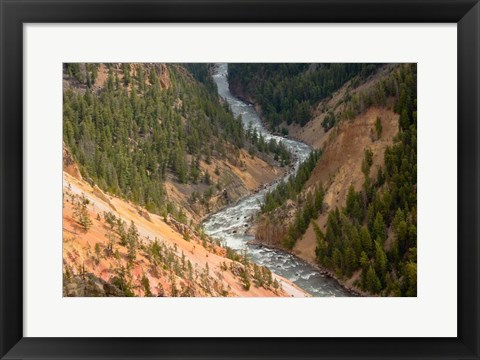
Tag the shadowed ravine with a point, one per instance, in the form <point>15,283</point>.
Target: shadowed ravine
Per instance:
<point>231,223</point>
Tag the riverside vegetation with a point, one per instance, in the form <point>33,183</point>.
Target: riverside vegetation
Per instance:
<point>150,150</point>
<point>371,238</point>
<point>138,129</point>
<point>132,133</point>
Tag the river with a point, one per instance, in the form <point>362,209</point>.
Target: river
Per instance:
<point>231,223</point>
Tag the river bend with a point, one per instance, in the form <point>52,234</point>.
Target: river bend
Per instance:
<point>230,224</point>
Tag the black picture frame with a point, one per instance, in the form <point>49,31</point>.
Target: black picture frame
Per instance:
<point>14,13</point>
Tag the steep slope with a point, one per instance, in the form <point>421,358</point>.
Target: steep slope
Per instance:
<point>341,165</point>
<point>116,248</point>
<point>287,93</point>
<point>338,106</point>
<point>155,135</point>
<point>149,150</point>
<point>354,211</point>
<point>344,145</point>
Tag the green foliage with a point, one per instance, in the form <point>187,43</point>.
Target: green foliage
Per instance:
<point>292,187</point>
<point>353,206</point>
<point>367,162</point>
<point>277,149</point>
<point>309,207</point>
<point>329,121</point>
<point>372,282</point>
<point>146,285</point>
<point>129,135</point>
<point>284,131</point>
<point>287,92</point>
<point>80,213</point>
<point>246,278</point>
<point>356,236</point>
<point>74,70</point>
<point>262,276</point>
<point>122,281</point>
<point>97,252</point>
<point>232,254</point>
<point>378,127</point>
<point>379,231</point>
<point>312,206</point>
<point>132,241</point>
<point>411,279</point>
<point>201,72</point>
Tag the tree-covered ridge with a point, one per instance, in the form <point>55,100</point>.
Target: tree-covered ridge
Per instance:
<point>376,231</point>
<point>293,186</point>
<point>292,190</point>
<point>257,143</point>
<point>201,72</point>
<point>131,132</point>
<point>373,237</point>
<point>288,92</point>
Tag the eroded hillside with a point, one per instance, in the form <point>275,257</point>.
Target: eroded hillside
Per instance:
<point>149,151</point>
<point>362,186</point>
<point>155,135</point>
<point>113,247</point>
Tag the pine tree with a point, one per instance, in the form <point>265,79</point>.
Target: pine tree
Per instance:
<point>206,178</point>
<point>350,261</point>
<point>379,230</point>
<point>366,240</point>
<point>411,281</point>
<point>372,282</point>
<point>146,286</point>
<point>364,262</point>
<point>367,162</point>
<point>378,127</point>
<point>80,213</point>
<point>353,208</point>
<point>380,259</point>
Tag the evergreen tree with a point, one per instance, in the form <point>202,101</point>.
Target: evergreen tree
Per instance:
<point>378,127</point>
<point>379,230</point>
<point>372,282</point>
<point>80,213</point>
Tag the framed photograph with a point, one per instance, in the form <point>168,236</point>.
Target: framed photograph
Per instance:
<point>239,179</point>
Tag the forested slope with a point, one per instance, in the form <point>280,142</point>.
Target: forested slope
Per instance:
<point>287,93</point>
<point>148,150</point>
<point>353,211</point>
<point>135,128</point>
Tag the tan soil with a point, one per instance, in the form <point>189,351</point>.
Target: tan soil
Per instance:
<point>341,163</point>
<point>313,133</point>
<point>239,175</point>
<point>78,246</point>
<point>237,179</point>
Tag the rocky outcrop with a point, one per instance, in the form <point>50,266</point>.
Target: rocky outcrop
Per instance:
<point>88,285</point>
<point>69,165</point>
<point>161,71</point>
<point>179,227</point>
<point>237,269</point>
